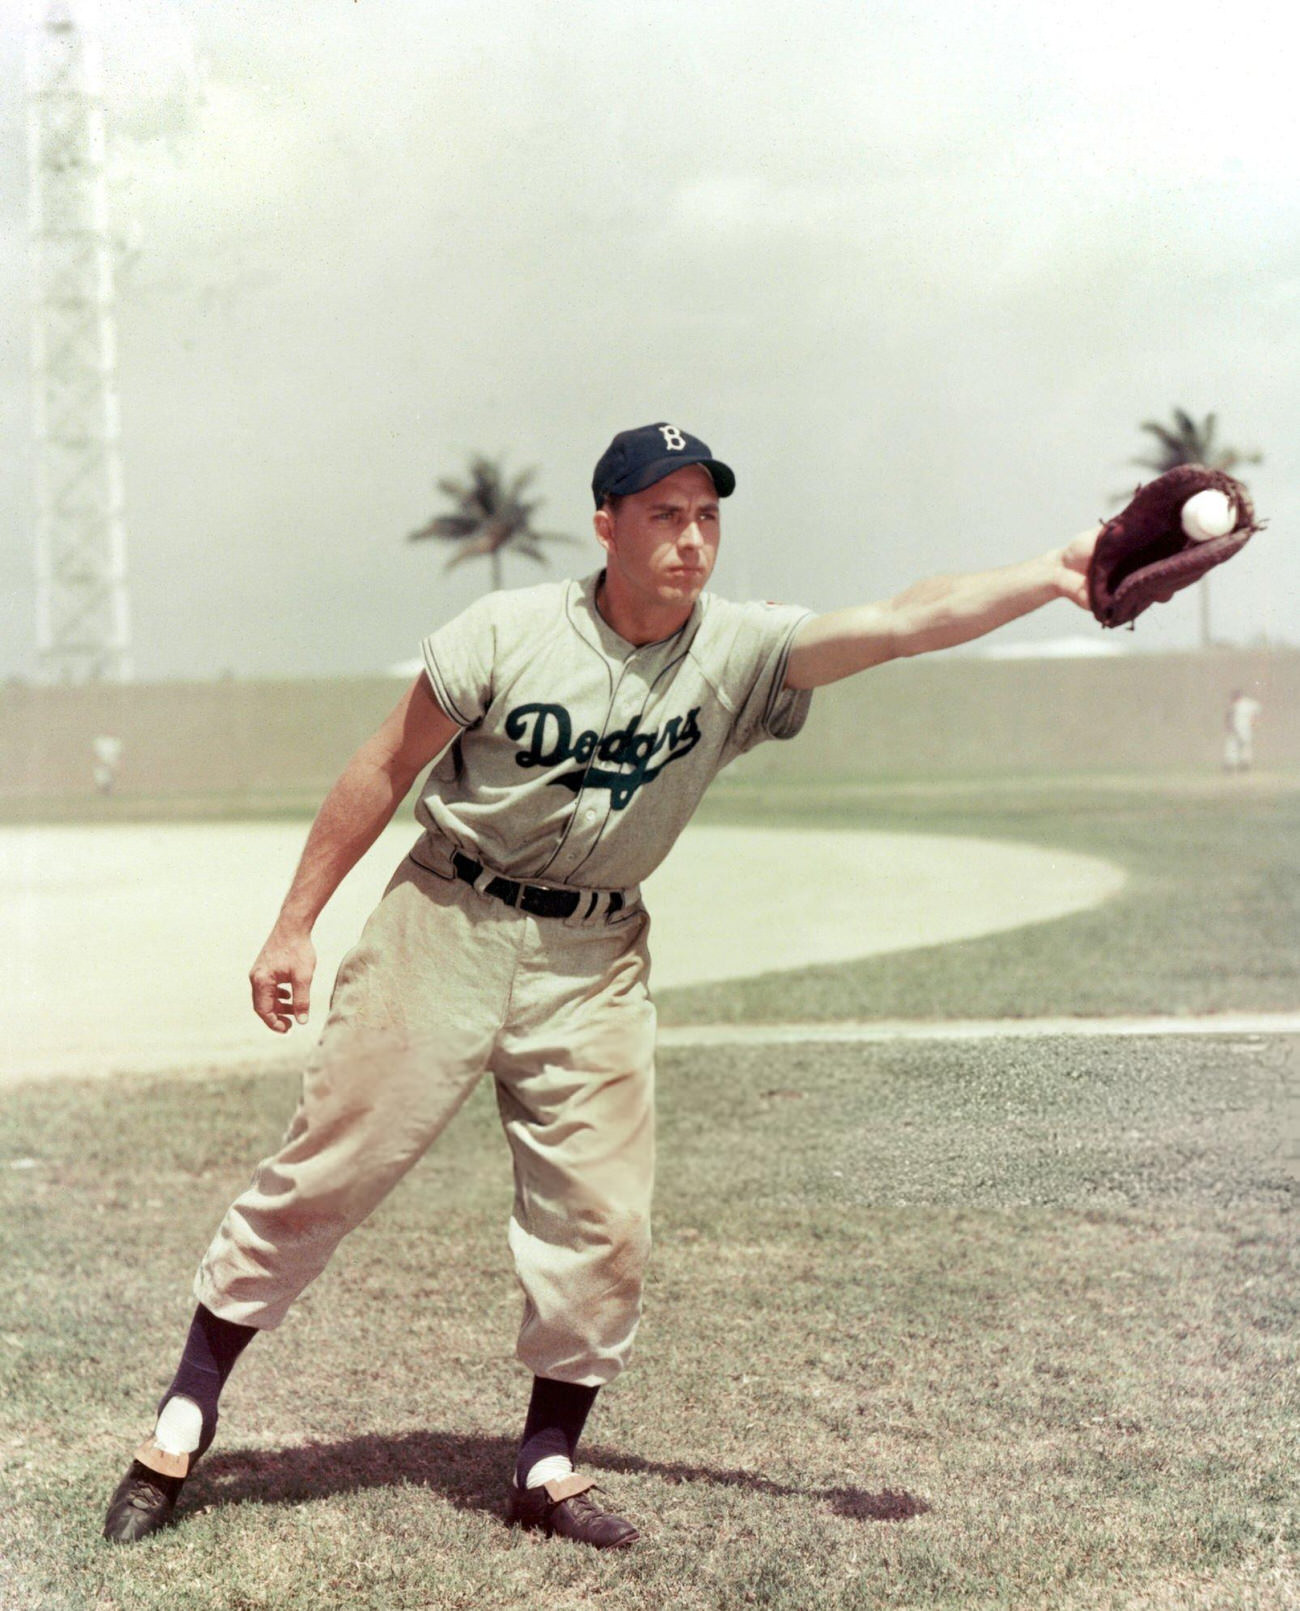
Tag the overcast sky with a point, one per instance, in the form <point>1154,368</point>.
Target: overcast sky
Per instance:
<point>917,271</point>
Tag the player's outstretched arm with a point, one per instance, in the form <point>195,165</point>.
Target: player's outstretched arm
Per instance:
<point>353,815</point>
<point>936,614</point>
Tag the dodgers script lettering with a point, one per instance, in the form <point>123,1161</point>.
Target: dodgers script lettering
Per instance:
<point>622,761</point>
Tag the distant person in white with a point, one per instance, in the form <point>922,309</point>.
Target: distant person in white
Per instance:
<point>107,751</point>
<point>1239,731</point>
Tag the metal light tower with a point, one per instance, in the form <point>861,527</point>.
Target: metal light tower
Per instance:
<point>83,630</point>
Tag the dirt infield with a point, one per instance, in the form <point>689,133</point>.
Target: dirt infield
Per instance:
<point>131,944</point>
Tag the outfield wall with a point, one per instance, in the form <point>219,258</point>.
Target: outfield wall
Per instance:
<point>952,716</point>
<point>961,716</point>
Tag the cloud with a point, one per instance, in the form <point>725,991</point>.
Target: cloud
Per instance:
<point>959,251</point>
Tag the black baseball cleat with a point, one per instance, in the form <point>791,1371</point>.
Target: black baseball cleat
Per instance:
<point>563,1509</point>
<point>146,1497</point>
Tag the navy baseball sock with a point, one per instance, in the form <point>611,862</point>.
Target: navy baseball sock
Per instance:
<point>211,1349</point>
<point>557,1413</point>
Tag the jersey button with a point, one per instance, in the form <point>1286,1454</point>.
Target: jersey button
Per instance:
<point>590,813</point>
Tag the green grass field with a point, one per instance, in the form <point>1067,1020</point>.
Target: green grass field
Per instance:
<point>984,1324</point>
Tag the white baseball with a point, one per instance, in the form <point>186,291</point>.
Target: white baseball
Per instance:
<point>1209,514</point>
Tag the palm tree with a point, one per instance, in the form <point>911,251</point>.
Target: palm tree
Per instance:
<point>1190,443</point>
<point>490,516</point>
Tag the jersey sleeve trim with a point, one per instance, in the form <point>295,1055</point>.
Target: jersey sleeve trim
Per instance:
<point>438,682</point>
<point>787,708</point>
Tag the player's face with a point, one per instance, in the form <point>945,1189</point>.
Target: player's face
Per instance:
<point>661,544</point>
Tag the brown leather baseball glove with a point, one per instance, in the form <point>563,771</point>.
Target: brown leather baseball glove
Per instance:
<point>1143,556</point>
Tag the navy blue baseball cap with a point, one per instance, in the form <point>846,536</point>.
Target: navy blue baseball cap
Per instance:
<point>635,460</point>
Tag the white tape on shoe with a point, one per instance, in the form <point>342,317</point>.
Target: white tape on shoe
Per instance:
<point>180,1426</point>
<point>551,1469</point>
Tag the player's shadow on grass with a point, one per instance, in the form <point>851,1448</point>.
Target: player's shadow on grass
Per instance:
<point>470,1471</point>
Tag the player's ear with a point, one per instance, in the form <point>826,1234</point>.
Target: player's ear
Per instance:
<point>603,522</point>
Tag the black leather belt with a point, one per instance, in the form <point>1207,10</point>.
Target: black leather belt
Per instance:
<point>534,898</point>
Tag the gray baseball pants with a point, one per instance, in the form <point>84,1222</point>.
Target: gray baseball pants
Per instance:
<point>444,985</point>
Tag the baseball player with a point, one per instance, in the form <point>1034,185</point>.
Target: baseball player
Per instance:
<point>569,731</point>
<point>1239,731</point>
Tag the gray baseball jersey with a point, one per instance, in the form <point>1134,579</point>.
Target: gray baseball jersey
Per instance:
<point>582,756</point>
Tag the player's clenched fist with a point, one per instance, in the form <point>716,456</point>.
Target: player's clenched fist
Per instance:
<point>1076,558</point>
<point>281,980</point>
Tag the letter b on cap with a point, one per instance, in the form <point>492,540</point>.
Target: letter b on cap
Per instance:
<point>673,438</point>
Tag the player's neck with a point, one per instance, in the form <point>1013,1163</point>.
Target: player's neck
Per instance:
<point>634,619</point>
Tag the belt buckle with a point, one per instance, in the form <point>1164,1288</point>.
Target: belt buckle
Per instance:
<point>548,902</point>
